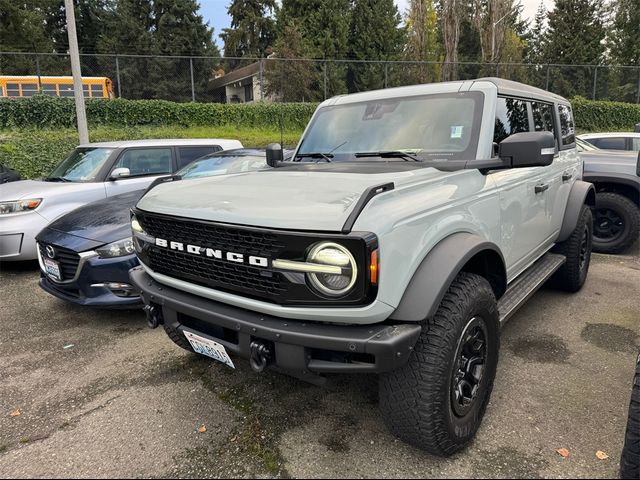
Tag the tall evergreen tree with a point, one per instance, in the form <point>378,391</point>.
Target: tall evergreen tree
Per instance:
<point>536,47</point>
<point>575,37</point>
<point>324,26</point>
<point>290,81</point>
<point>374,34</point>
<point>252,31</point>
<point>160,27</point>
<point>624,43</point>
<point>422,40</point>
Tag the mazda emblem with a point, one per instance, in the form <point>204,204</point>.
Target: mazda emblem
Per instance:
<point>51,252</point>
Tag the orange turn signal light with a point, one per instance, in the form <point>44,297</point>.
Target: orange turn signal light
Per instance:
<point>374,268</point>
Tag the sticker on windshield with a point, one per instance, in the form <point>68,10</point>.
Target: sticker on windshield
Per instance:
<point>456,131</point>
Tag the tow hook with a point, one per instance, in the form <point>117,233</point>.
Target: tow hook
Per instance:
<point>154,315</point>
<point>261,356</point>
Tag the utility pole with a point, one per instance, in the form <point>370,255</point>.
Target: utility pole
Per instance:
<point>74,53</point>
<point>493,36</point>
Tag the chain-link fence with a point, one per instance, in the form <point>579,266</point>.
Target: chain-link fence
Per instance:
<point>237,80</point>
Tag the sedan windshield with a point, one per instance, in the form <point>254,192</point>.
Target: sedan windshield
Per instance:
<point>217,164</point>
<point>431,127</point>
<point>82,165</point>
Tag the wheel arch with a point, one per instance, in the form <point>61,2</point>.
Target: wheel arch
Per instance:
<point>454,254</point>
<point>582,193</point>
<point>627,187</point>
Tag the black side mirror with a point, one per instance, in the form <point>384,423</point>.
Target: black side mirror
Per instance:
<point>637,128</point>
<point>528,149</point>
<point>274,154</point>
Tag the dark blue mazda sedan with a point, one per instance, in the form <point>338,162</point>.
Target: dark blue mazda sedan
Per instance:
<point>85,256</point>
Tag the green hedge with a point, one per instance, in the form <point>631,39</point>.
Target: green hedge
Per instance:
<point>602,116</point>
<point>44,111</point>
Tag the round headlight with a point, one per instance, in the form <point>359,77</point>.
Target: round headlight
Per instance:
<point>336,255</point>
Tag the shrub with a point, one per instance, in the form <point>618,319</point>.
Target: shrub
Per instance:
<point>44,111</point>
<point>605,116</point>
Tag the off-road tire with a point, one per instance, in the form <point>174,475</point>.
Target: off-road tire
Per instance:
<point>572,275</point>
<point>416,400</point>
<point>628,212</point>
<point>630,460</point>
<point>178,338</point>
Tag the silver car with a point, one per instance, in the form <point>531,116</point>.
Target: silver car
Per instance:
<point>91,172</point>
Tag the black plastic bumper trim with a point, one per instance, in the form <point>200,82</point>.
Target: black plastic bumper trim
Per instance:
<point>389,344</point>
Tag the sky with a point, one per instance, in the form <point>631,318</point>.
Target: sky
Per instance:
<point>215,12</point>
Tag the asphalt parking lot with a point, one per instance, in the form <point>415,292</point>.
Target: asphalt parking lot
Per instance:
<point>100,395</point>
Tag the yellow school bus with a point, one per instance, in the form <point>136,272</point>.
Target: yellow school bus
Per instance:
<point>15,86</point>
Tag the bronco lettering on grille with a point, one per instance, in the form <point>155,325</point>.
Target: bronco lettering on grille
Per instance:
<point>213,253</point>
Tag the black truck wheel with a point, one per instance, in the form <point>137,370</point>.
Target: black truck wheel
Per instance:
<point>178,338</point>
<point>577,248</point>
<point>616,223</point>
<point>437,400</point>
<point>630,461</point>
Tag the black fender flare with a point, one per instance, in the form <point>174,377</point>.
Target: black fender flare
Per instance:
<point>581,193</point>
<point>440,267</point>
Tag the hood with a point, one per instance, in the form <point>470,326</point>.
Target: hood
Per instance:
<point>104,221</point>
<point>39,189</point>
<point>284,198</point>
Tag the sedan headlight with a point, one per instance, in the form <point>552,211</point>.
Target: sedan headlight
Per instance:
<point>19,205</point>
<point>117,249</point>
<point>334,285</point>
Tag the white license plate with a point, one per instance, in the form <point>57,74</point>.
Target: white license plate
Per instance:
<point>52,268</point>
<point>207,347</point>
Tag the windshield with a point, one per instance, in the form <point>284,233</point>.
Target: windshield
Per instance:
<point>222,164</point>
<point>82,165</point>
<point>433,127</point>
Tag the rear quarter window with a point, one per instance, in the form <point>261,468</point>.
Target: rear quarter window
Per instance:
<point>567,127</point>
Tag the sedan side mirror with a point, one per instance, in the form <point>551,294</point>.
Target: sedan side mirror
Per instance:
<point>528,149</point>
<point>121,172</point>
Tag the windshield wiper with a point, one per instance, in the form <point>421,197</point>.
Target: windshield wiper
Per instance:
<point>390,154</point>
<point>56,179</point>
<point>326,156</point>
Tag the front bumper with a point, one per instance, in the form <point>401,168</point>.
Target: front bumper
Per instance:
<point>96,270</point>
<point>18,235</point>
<point>300,347</point>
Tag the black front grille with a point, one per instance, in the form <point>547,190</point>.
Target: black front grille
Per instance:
<point>68,260</point>
<point>263,283</point>
<point>221,274</point>
<point>250,242</point>
<point>217,273</point>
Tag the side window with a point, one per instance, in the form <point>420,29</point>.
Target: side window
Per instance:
<point>635,145</point>
<point>66,90</point>
<point>29,89</point>
<point>542,117</point>
<point>611,143</point>
<point>13,90</point>
<point>146,161</point>
<point>511,117</point>
<point>567,127</point>
<point>49,89</point>
<point>186,155</point>
<point>96,91</point>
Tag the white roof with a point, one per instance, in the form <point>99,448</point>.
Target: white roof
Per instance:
<point>224,143</point>
<point>586,136</point>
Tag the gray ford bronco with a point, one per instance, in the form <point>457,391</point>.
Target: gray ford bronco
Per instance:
<point>410,225</point>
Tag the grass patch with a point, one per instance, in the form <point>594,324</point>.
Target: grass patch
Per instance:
<point>35,152</point>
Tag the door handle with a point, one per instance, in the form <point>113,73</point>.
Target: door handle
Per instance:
<point>566,176</point>
<point>541,187</point>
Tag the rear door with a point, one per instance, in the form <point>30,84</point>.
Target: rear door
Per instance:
<point>145,164</point>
